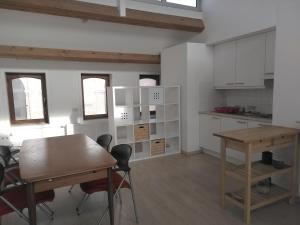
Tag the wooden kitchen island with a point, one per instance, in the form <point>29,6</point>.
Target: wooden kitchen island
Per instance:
<point>256,140</point>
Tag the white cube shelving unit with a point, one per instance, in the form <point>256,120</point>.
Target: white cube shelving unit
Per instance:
<point>157,108</point>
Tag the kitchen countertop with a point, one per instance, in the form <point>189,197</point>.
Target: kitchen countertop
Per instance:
<point>234,116</point>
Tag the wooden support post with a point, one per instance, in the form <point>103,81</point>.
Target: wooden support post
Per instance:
<point>247,199</point>
<point>222,175</point>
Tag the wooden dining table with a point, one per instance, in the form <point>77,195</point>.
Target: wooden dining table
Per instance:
<point>50,163</point>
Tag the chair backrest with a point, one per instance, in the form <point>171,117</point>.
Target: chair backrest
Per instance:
<point>122,154</point>
<point>104,140</point>
<point>5,154</point>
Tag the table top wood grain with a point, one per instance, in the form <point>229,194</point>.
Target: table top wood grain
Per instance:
<point>48,158</point>
<point>249,135</point>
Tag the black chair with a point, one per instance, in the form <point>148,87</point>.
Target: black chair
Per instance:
<point>13,198</point>
<point>104,141</point>
<point>122,154</point>
<point>11,176</point>
<point>11,165</point>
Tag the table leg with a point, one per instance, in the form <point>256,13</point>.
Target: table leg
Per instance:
<point>222,175</point>
<point>31,204</point>
<point>110,196</point>
<point>247,201</point>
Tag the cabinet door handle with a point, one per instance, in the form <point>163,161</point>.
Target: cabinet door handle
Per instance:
<point>230,83</point>
<point>215,118</point>
<point>242,122</point>
<point>240,83</point>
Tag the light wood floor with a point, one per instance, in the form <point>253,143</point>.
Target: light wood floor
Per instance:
<point>175,190</point>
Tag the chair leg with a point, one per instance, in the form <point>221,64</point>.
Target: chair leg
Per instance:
<point>120,198</point>
<point>48,209</point>
<point>133,198</point>
<point>20,214</point>
<point>83,200</point>
<point>41,207</point>
<point>70,190</point>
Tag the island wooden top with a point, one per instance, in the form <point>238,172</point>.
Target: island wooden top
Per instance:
<point>47,158</point>
<point>256,134</point>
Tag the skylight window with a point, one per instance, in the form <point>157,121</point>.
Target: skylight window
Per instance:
<point>192,3</point>
<point>186,4</point>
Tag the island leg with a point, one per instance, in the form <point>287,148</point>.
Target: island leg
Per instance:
<point>247,198</point>
<point>222,175</point>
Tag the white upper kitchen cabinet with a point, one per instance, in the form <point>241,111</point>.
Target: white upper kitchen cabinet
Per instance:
<point>208,126</point>
<point>270,53</point>
<point>250,61</point>
<point>224,64</point>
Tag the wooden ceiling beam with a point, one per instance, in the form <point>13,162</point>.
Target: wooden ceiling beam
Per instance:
<point>91,11</point>
<point>21,52</point>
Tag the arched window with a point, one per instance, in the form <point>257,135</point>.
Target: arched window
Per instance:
<point>27,98</point>
<point>94,95</point>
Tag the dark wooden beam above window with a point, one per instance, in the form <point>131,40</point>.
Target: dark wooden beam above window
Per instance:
<point>91,11</point>
<point>21,52</point>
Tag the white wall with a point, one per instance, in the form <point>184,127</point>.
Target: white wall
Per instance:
<point>286,110</point>
<point>262,99</point>
<point>37,30</point>
<point>173,72</point>
<point>190,65</point>
<point>226,19</point>
<point>63,80</point>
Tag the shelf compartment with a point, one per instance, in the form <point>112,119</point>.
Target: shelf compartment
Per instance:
<point>141,132</point>
<point>136,96</point>
<point>172,95</point>
<point>144,96</point>
<point>172,145</point>
<point>123,116</point>
<point>141,114</point>
<point>156,112</point>
<point>142,150</point>
<point>172,129</point>
<point>123,96</point>
<point>172,112</point>
<point>258,200</point>
<point>157,130</point>
<point>158,147</point>
<point>259,171</point>
<point>156,96</point>
<point>124,134</point>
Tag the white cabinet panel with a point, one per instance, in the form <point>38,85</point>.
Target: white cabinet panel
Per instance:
<point>208,126</point>
<point>233,124</point>
<point>224,64</point>
<point>250,61</point>
<point>253,124</point>
<point>270,52</point>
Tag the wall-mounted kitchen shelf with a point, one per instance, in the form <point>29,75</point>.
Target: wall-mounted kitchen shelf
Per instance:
<point>147,118</point>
